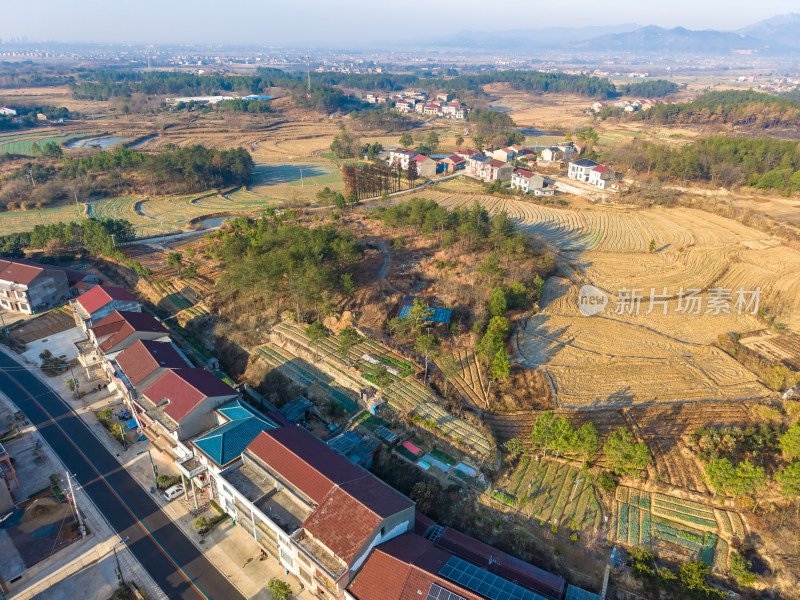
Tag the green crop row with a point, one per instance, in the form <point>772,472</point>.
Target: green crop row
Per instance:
<point>504,497</point>
<point>695,520</point>
<point>707,553</point>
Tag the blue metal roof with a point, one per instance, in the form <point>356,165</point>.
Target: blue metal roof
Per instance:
<point>440,315</point>
<point>228,441</point>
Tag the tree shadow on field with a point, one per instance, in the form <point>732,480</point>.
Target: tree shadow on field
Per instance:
<point>277,174</point>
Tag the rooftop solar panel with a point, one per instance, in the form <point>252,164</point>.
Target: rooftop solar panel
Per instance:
<point>483,582</point>
<point>437,592</point>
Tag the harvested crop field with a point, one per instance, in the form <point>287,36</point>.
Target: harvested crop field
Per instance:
<point>658,348</point>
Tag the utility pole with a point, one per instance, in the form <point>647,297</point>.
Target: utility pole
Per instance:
<point>308,73</point>
<point>75,504</point>
<point>152,464</point>
<point>119,568</point>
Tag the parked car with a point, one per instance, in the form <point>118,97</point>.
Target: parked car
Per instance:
<point>171,493</point>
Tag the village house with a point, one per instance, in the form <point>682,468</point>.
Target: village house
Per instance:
<point>551,155</point>
<point>7,112</point>
<point>453,163</point>
<point>531,183</point>
<point>504,154</point>
<point>497,170</point>
<point>467,153</point>
<point>310,508</point>
<point>426,166</point>
<point>178,405</point>
<point>100,301</point>
<point>400,157</point>
<point>140,364</point>
<point>602,177</point>
<point>220,448</point>
<point>112,335</point>
<point>404,106</point>
<point>581,168</point>
<point>27,286</point>
<point>439,563</point>
<point>475,164</point>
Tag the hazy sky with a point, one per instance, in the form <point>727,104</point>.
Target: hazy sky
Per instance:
<point>304,23</point>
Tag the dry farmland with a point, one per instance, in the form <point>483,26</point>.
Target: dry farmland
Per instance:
<point>642,353</point>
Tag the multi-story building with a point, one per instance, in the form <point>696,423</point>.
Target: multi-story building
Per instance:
<point>400,157</point>
<point>580,169</point>
<point>310,508</point>
<point>100,301</point>
<point>27,286</point>
<point>178,406</point>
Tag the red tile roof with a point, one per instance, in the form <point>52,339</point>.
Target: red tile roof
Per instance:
<point>186,389</point>
<point>142,358</point>
<point>100,295</point>
<point>496,163</point>
<point>523,173</point>
<point>455,159</point>
<point>404,568</point>
<point>303,460</point>
<point>122,323</point>
<point>18,272</point>
<point>420,158</point>
<point>342,524</point>
<point>600,169</point>
<point>352,502</point>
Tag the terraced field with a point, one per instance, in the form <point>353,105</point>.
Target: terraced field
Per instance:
<point>404,394</point>
<point>469,381</point>
<point>648,519</point>
<point>321,385</point>
<point>555,492</point>
<point>26,220</point>
<point>658,349</point>
<point>22,143</point>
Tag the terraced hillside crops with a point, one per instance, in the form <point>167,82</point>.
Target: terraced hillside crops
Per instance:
<point>175,213</point>
<point>555,492</point>
<point>404,394</point>
<point>656,350</point>
<point>468,382</point>
<point>320,385</point>
<point>649,519</point>
<point>22,143</point>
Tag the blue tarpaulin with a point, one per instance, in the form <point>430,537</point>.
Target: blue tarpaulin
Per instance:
<point>131,424</point>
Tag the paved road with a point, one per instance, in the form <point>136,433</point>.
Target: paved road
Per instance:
<point>171,559</point>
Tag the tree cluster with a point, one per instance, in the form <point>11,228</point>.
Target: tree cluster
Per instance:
<point>287,264</point>
<point>725,161</point>
<point>733,107</point>
<point>654,88</point>
<point>740,462</point>
<point>371,180</point>
<point>187,169</point>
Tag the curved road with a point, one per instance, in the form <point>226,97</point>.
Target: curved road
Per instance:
<point>171,559</point>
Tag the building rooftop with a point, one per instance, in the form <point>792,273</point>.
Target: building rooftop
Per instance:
<point>584,162</point>
<point>19,273</point>
<point>100,295</point>
<point>185,389</point>
<point>120,324</point>
<point>226,443</point>
<point>142,358</point>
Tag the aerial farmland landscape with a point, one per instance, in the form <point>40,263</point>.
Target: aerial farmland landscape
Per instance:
<point>346,301</point>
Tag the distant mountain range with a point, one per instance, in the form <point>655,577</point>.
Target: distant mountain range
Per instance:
<point>778,36</point>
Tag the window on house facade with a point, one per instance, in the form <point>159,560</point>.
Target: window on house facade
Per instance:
<point>305,575</point>
<point>287,558</point>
